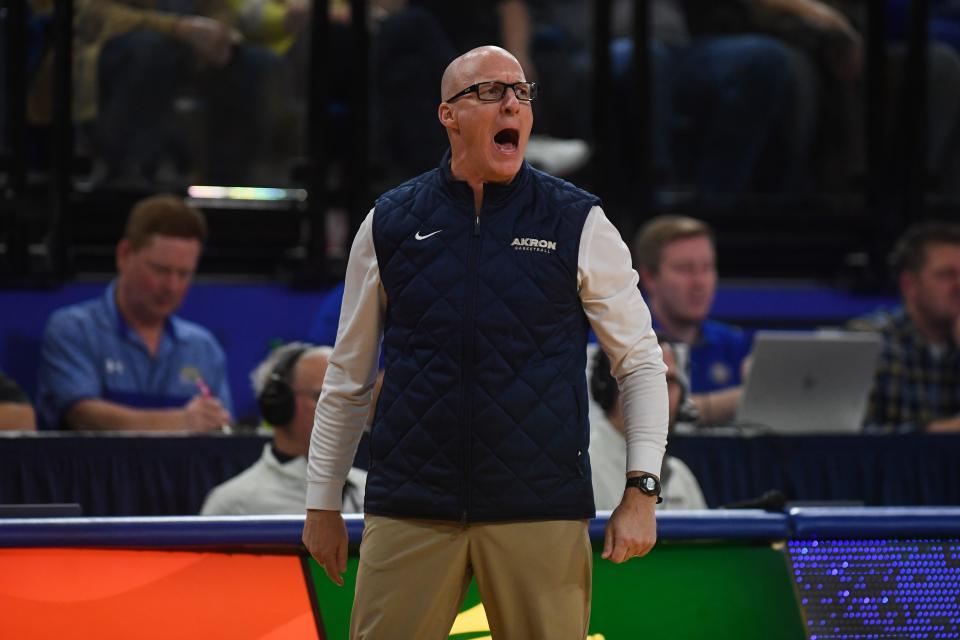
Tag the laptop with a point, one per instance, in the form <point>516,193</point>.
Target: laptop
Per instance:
<point>809,382</point>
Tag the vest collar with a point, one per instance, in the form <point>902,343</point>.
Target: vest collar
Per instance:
<point>494,195</point>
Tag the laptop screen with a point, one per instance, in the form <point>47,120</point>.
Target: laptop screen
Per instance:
<point>809,382</point>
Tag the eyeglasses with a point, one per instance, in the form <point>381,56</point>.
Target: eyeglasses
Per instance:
<point>493,91</point>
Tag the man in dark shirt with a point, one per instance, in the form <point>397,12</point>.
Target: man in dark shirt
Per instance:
<point>916,385</point>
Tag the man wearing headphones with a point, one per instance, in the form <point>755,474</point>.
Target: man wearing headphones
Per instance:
<point>608,447</point>
<point>287,384</point>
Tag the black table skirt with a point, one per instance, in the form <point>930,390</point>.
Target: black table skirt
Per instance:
<point>171,475</point>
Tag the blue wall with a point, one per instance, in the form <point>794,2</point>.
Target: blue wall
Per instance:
<point>248,318</point>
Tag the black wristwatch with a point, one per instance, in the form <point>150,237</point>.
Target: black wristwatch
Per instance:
<point>648,484</point>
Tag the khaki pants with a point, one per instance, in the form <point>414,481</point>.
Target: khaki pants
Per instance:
<point>533,577</point>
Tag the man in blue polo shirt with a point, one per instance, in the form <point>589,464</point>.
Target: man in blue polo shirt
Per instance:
<point>123,361</point>
<point>678,273</point>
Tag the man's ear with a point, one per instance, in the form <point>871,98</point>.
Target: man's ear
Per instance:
<point>124,249</point>
<point>646,278</point>
<point>447,115</point>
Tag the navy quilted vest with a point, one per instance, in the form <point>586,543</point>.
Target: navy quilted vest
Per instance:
<point>483,411</point>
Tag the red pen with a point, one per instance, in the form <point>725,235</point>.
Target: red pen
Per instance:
<point>204,388</point>
<point>205,392</point>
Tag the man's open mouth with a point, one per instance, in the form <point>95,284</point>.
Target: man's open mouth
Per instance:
<point>507,140</point>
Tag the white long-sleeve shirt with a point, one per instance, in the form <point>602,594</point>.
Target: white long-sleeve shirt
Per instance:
<point>617,313</point>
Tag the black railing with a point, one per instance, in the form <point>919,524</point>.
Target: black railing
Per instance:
<point>893,191</point>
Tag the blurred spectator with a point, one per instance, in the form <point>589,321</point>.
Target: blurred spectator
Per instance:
<point>16,412</point>
<point>287,384</point>
<point>608,451</point>
<point>560,47</point>
<point>917,384</point>
<point>837,48</point>
<point>284,28</point>
<point>278,24</point>
<point>138,65</point>
<point>943,86</point>
<point>725,96</point>
<point>734,104</point>
<point>678,274</point>
<point>123,360</point>
<point>415,41</point>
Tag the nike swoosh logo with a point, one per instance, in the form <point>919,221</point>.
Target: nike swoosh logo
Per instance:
<point>420,237</point>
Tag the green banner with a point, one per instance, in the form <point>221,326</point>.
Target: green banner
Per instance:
<point>722,590</point>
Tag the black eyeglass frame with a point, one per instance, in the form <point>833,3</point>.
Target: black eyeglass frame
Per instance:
<point>475,88</point>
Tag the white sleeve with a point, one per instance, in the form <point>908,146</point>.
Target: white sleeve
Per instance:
<point>621,320</point>
<point>345,401</point>
<point>214,504</point>
<point>681,489</point>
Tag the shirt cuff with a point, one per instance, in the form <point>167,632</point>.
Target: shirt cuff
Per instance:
<point>645,460</point>
<point>325,495</point>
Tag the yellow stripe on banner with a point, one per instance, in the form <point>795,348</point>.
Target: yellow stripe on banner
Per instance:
<point>471,621</point>
<point>474,620</point>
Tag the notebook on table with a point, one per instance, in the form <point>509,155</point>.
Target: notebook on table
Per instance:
<point>809,382</point>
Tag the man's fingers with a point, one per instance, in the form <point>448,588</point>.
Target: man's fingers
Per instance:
<point>212,412</point>
<point>644,546</point>
<point>342,559</point>
<point>330,567</point>
<point>607,543</point>
<point>620,554</point>
<point>622,549</point>
<point>325,536</point>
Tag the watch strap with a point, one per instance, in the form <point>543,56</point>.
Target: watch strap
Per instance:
<point>637,482</point>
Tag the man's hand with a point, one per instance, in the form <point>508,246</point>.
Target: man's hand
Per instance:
<point>325,537</point>
<point>826,17</point>
<point>632,528</point>
<point>204,414</point>
<point>848,60</point>
<point>211,39</point>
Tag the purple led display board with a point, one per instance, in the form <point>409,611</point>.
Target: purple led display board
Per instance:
<point>877,589</point>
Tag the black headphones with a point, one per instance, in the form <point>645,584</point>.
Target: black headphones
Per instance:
<point>604,387</point>
<point>277,400</point>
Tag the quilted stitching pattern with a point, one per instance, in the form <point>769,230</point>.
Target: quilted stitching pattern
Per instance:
<point>527,440</point>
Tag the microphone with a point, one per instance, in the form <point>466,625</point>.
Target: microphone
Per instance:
<point>771,500</point>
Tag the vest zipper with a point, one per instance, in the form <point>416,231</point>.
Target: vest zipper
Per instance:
<point>469,347</point>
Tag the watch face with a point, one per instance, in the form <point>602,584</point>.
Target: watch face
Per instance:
<point>649,484</point>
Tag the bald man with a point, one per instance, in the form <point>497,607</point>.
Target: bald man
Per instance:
<point>483,278</point>
<point>287,384</point>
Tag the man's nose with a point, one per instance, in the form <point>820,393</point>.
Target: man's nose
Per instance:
<point>509,102</point>
<point>173,282</point>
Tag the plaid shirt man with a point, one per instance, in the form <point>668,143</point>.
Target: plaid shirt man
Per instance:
<point>916,382</point>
